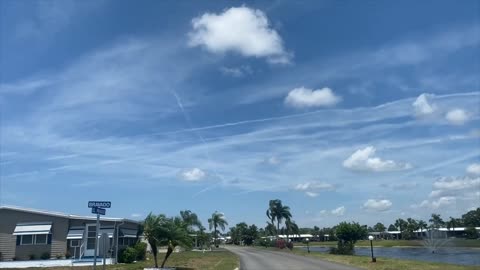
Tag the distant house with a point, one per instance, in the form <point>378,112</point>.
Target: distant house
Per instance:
<point>27,233</point>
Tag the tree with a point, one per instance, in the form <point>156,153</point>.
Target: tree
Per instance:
<point>272,204</point>
<point>151,229</point>
<point>451,224</point>
<point>173,232</point>
<point>408,232</point>
<point>471,233</point>
<point>436,221</point>
<point>348,234</point>
<point>191,219</point>
<point>471,218</point>
<point>217,220</point>
<point>291,227</point>
<point>422,225</point>
<point>270,228</point>
<point>250,235</point>
<point>401,224</point>
<point>391,228</point>
<point>379,227</point>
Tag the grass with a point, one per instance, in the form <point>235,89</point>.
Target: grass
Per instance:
<point>188,260</point>
<point>400,243</point>
<point>382,263</point>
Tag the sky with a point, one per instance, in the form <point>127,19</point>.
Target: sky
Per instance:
<point>361,111</point>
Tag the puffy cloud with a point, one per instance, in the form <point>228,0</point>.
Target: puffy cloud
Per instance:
<point>457,183</point>
<point>474,169</point>
<point>340,211</point>
<point>312,189</point>
<point>377,205</point>
<point>236,72</point>
<point>457,117</point>
<point>238,29</point>
<point>364,160</point>
<point>304,98</point>
<point>422,106</point>
<point>193,175</point>
<point>440,202</point>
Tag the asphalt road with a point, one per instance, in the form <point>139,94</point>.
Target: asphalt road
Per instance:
<point>259,259</point>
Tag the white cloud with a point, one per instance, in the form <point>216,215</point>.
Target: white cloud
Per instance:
<point>239,29</point>
<point>340,211</point>
<point>304,98</point>
<point>236,72</point>
<point>136,215</point>
<point>193,175</point>
<point>323,212</point>
<point>440,202</point>
<point>450,186</point>
<point>273,160</point>
<point>474,169</point>
<point>377,205</point>
<point>364,160</point>
<point>312,189</point>
<point>457,117</point>
<point>422,106</point>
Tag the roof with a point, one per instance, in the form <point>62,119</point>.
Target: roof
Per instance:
<point>63,215</point>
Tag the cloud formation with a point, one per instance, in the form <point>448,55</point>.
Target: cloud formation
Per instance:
<point>457,117</point>
<point>377,205</point>
<point>422,106</point>
<point>193,175</point>
<point>312,189</point>
<point>239,29</point>
<point>474,169</point>
<point>365,160</point>
<point>340,211</point>
<point>306,98</point>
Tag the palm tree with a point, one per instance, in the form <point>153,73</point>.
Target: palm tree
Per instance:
<point>270,228</point>
<point>451,224</point>
<point>436,221</point>
<point>272,204</point>
<point>217,220</point>
<point>422,225</point>
<point>280,212</point>
<point>291,226</point>
<point>173,232</point>
<point>151,229</point>
<point>191,219</point>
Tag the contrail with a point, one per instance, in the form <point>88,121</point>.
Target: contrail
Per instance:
<point>207,152</point>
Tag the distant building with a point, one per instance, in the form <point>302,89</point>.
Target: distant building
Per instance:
<point>26,233</point>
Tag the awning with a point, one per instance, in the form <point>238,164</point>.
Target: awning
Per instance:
<point>75,234</point>
<point>107,231</point>
<point>32,228</point>
<point>129,233</point>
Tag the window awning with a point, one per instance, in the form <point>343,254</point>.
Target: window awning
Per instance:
<point>32,228</point>
<point>107,231</point>
<point>75,234</point>
<point>129,233</point>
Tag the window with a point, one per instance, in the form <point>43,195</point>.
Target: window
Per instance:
<point>26,239</point>
<point>33,239</point>
<point>40,239</point>
<point>74,243</point>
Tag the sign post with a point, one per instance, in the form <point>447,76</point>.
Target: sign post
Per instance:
<point>98,207</point>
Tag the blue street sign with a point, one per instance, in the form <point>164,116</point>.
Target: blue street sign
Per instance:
<point>98,210</point>
<point>100,204</point>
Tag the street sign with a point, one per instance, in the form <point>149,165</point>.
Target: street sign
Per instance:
<point>100,204</point>
<point>98,210</point>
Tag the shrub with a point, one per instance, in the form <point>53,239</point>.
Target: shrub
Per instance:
<point>264,242</point>
<point>32,257</point>
<point>343,248</point>
<point>58,256</point>
<point>45,256</point>
<point>471,233</point>
<point>127,255</point>
<point>68,255</point>
<point>280,243</point>
<point>290,245</point>
<point>141,249</point>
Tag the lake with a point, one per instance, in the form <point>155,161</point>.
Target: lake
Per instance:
<point>464,256</point>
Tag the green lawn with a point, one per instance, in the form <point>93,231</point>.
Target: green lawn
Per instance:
<point>400,243</point>
<point>188,260</point>
<point>382,263</point>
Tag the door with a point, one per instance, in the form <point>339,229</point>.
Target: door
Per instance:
<point>91,237</point>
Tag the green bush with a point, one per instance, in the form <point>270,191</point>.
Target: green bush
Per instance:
<point>68,255</point>
<point>264,242</point>
<point>45,256</point>
<point>471,233</point>
<point>127,255</point>
<point>32,257</point>
<point>141,249</point>
<point>343,248</point>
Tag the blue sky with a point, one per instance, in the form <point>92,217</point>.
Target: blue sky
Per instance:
<point>352,110</point>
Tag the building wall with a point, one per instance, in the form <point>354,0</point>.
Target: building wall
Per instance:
<point>8,247</point>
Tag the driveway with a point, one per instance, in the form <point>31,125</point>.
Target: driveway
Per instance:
<point>260,259</point>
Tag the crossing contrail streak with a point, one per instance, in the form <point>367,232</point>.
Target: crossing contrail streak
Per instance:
<point>207,152</point>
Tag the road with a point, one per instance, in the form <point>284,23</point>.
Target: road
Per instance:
<point>260,259</point>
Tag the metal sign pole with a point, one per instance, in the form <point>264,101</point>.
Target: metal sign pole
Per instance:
<point>96,242</point>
